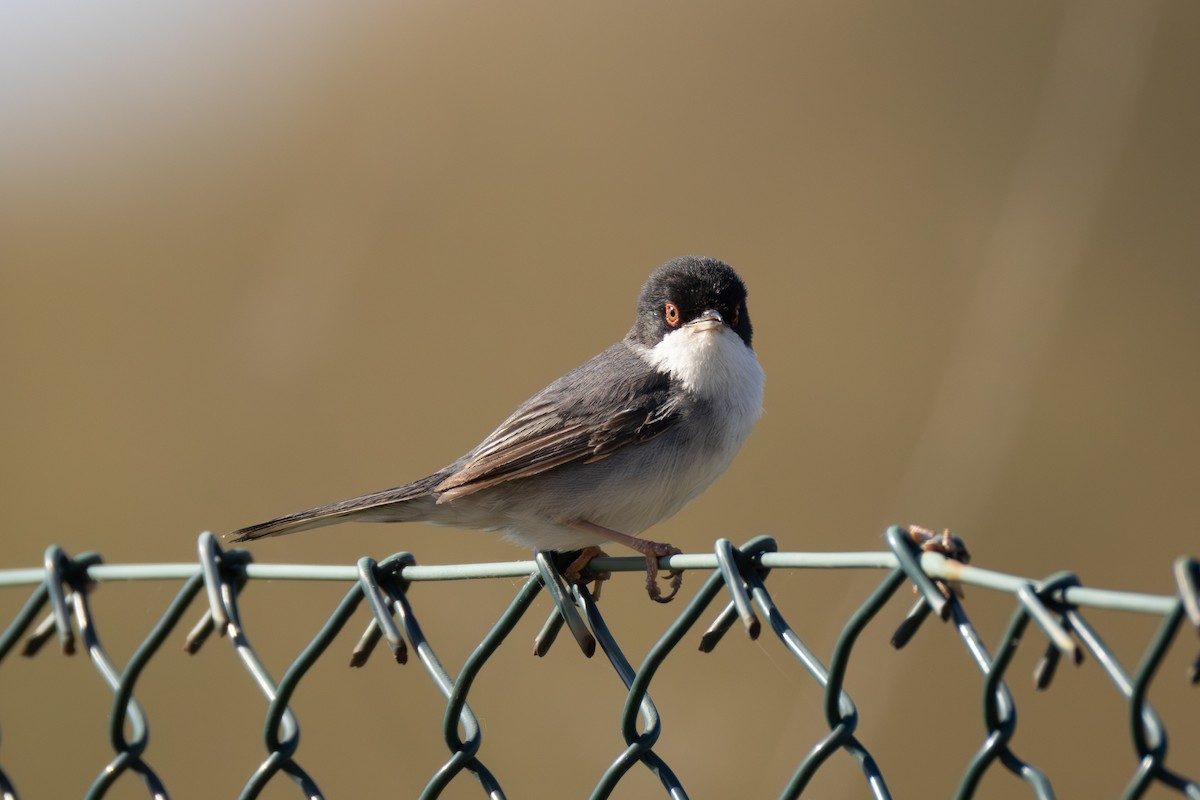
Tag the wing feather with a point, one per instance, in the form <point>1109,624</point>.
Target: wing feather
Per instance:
<point>584,416</point>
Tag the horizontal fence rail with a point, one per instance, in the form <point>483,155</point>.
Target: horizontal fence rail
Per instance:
<point>936,565</point>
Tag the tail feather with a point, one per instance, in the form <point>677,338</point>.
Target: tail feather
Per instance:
<point>335,512</point>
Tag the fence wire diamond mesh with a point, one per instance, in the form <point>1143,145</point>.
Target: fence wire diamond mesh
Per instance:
<point>738,577</point>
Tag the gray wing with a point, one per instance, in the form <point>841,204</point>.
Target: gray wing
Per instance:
<point>613,401</point>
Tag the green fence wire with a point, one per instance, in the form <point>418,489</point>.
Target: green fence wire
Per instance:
<point>738,576</point>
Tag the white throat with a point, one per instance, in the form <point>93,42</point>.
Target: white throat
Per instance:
<point>716,365</point>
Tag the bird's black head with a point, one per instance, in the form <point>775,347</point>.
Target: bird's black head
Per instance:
<point>684,290</point>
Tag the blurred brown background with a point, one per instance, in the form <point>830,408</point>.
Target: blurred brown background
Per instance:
<point>256,258</point>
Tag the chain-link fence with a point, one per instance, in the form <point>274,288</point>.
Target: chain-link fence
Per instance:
<point>738,576</point>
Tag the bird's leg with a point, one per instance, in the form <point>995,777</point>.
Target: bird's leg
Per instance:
<point>575,571</point>
<point>651,550</point>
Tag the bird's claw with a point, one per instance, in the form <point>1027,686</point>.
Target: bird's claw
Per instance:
<point>675,576</point>
<point>577,571</point>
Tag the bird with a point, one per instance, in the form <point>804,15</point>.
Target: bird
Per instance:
<point>613,447</point>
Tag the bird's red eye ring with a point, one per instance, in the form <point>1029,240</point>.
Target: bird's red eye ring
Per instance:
<point>671,314</point>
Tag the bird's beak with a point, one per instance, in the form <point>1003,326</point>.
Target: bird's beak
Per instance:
<point>710,320</point>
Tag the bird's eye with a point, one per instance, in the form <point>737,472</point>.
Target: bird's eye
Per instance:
<point>671,314</point>
<point>737,313</point>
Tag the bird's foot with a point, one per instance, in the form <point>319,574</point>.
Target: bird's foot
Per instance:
<point>577,571</point>
<point>653,551</point>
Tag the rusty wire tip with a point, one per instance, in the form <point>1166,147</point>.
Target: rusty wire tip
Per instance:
<point>366,644</point>
<point>907,628</point>
<point>912,622</point>
<point>1046,667</point>
<point>947,608</point>
<point>41,634</point>
<point>718,629</point>
<point>546,636</point>
<point>585,640</point>
<point>199,634</point>
<point>709,640</point>
<point>31,647</point>
<point>400,654</point>
<point>549,632</point>
<point>588,646</point>
<point>361,652</point>
<point>746,614</point>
